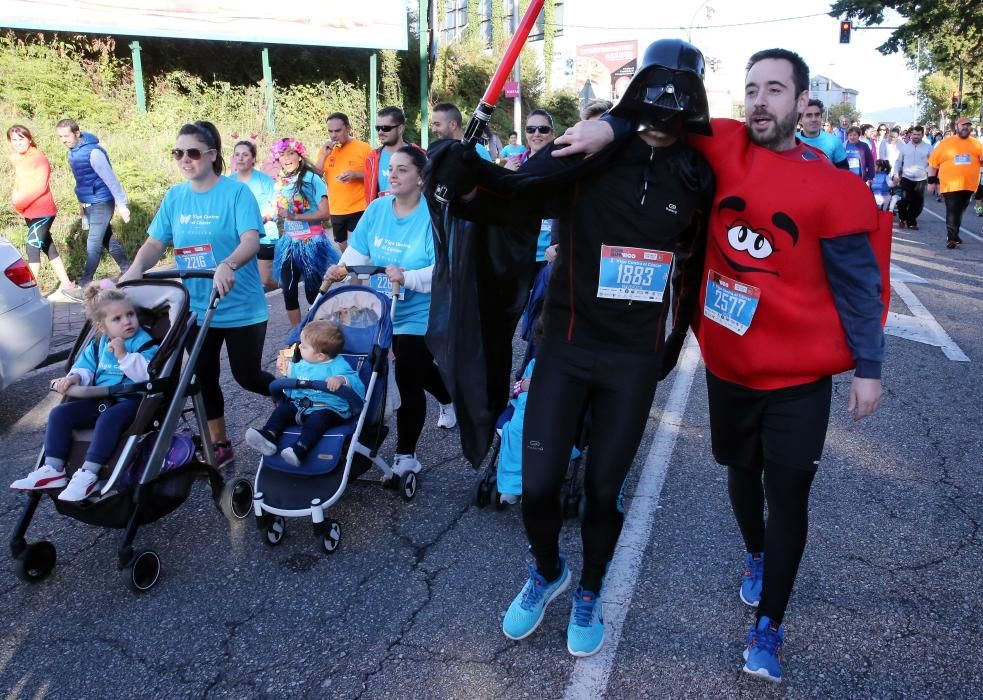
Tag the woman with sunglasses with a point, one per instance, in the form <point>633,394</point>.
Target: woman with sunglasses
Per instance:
<point>395,232</point>
<point>539,135</point>
<point>213,222</point>
<point>303,251</point>
<point>261,185</point>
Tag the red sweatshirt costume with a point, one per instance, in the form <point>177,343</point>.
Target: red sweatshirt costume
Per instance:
<point>770,212</point>
<point>32,194</point>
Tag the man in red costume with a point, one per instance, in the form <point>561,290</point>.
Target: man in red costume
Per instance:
<point>792,295</point>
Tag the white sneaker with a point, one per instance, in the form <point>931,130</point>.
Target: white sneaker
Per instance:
<point>82,484</point>
<point>403,464</point>
<point>448,418</point>
<point>508,498</point>
<point>44,477</point>
<point>290,457</point>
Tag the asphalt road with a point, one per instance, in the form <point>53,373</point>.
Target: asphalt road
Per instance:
<point>887,604</point>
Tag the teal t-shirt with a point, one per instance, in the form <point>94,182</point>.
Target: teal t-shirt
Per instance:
<point>545,239</point>
<point>384,157</point>
<point>98,359</point>
<point>511,150</point>
<point>261,185</point>
<point>406,243</point>
<point>828,144</point>
<point>322,371</point>
<point>482,152</point>
<point>215,220</point>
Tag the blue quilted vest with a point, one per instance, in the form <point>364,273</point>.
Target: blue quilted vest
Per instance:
<point>89,187</point>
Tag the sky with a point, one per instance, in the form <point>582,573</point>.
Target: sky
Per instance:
<point>884,82</point>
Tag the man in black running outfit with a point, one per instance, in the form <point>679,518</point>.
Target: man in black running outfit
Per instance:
<point>792,294</point>
<point>630,217</point>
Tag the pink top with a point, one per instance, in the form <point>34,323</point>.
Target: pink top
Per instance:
<point>32,194</point>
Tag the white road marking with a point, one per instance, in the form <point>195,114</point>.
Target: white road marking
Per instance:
<point>902,275</point>
<point>922,327</point>
<point>961,228</point>
<point>590,675</point>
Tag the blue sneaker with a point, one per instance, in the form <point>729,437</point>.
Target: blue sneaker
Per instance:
<point>754,571</point>
<point>763,655</point>
<point>585,633</point>
<point>527,610</point>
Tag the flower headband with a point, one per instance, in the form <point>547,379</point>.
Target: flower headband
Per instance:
<point>284,145</point>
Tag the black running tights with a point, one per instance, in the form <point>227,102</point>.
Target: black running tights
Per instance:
<point>783,537</point>
<point>244,346</point>
<point>618,388</point>
<point>416,373</point>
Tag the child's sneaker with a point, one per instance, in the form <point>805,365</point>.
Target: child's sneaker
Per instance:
<point>448,417</point>
<point>527,609</point>
<point>260,442</point>
<point>82,484</point>
<point>585,633</point>
<point>763,655</point>
<point>754,571</point>
<point>290,457</point>
<point>44,477</point>
<point>403,464</point>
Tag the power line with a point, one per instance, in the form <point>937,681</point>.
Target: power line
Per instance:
<point>714,26</point>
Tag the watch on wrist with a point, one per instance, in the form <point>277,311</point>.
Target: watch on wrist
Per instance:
<point>232,265</point>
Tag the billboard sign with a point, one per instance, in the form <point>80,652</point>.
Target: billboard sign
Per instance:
<point>379,24</point>
<point>607,67</point>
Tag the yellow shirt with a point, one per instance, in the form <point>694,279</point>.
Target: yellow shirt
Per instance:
<point>345,197</point>
<point>958,162</point>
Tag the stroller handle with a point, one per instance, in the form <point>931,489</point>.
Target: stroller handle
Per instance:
<point>174,273</point>
<point>363,272</point>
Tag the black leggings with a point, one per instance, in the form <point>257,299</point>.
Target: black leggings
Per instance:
<point>245,348</point>
<point>955,207</point>
<point>415,374</point>
<point>39,239</point>
<point>290,278</point>
<point>783,537</point>
<point>618,388</point>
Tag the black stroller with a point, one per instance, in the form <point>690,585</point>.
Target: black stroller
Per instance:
<point>154,467</point>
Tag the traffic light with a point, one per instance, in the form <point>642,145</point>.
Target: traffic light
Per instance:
<point>846,26</point>
<point>956,106</point>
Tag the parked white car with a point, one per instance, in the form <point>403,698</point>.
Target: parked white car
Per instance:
<point>25,317</point>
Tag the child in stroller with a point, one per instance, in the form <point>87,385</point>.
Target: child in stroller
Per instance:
<point>314,410</point>
<point>121,351</point>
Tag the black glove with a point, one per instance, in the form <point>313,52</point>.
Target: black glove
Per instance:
<point>455,166</point>
<point>670,353</point>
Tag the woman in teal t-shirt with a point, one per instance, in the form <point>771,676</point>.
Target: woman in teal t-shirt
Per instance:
<point>303,251</point>
<point>395,233</point>
<point>213,222</point>
<point>261,185</point>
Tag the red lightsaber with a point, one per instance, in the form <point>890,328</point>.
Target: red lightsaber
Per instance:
<point>482,114</point>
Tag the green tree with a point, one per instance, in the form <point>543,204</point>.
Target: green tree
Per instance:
<point>843,109</point>
<point>950,31</point>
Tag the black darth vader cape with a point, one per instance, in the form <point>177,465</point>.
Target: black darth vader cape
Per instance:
<point>481,282</point>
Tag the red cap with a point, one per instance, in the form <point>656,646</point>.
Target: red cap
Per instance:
<point>963,120</point>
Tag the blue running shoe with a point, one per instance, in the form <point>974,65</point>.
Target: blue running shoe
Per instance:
<point>528,608</point>
<point>585,633</point>
<point>763,655</point>
<point>754,571</point>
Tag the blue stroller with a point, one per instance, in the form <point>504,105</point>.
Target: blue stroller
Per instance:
<point>347,451</point>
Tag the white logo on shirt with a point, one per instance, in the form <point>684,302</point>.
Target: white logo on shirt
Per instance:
<point>378,241</point>
<point>671,208</point>
<point>185,218</point>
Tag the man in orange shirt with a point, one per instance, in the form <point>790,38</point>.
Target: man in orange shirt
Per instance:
<point>954,169</point>
<point>342,164</point>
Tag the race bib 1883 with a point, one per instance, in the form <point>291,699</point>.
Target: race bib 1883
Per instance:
<point>730,303</point>
<point>635,274</point>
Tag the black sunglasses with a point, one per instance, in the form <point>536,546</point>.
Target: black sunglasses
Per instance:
<point>385,128</point>
<point>193,153</point>
<point>541,129</point>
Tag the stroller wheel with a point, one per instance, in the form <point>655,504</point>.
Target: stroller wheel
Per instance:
<point>482,492</point>
<point>408,484</point>
<point>143,571</point>
<point>35,562</point>
<point>275,530</point>
<point>236,499</point>
<point>332,537</point>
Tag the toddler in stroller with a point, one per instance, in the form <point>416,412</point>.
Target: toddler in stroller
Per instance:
<point>314,410</point>
<point>121,351</point>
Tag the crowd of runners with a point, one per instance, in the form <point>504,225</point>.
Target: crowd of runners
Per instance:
<point>676,223</point>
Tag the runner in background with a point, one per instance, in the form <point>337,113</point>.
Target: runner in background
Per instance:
<point>341,162</point>
<point>262,187</point>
